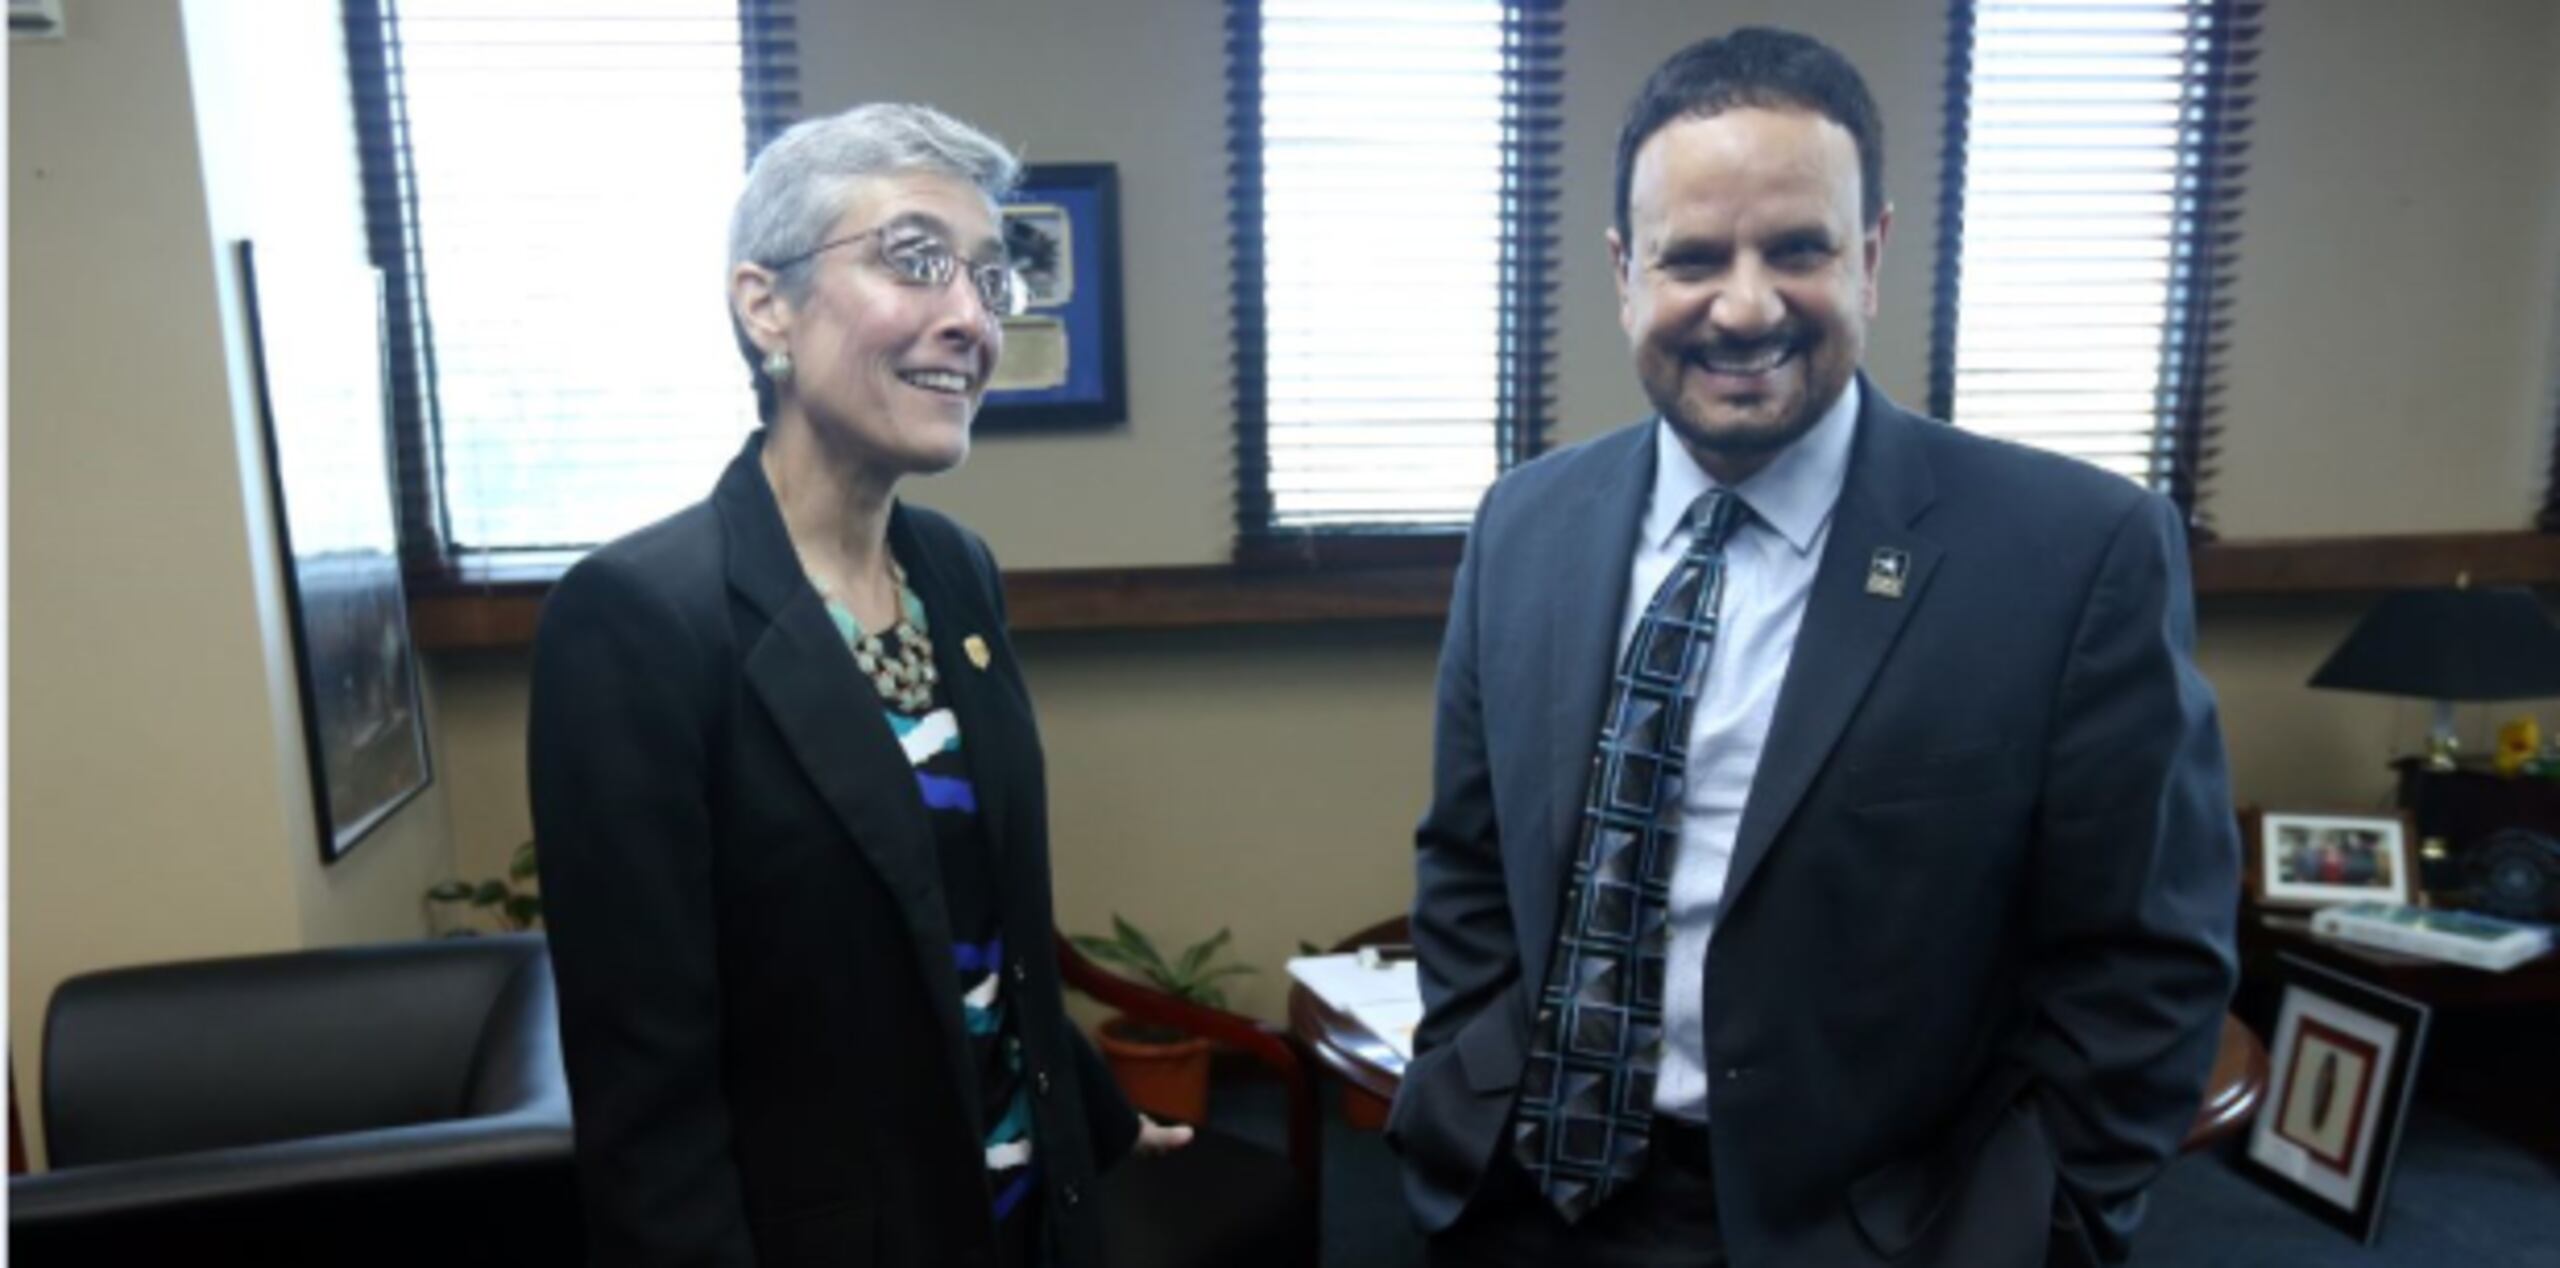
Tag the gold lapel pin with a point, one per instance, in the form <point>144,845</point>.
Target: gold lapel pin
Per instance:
<point>1887,571</point>
<point>977,649</point>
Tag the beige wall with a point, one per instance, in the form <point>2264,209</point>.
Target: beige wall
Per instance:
<point>161,808</point>
<point>2393,318</point>
<point>1262,778</point>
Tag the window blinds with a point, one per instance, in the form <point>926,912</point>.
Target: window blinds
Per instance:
<point>2094,150</point>
<point>548,184</point>
<point>1393,166</point>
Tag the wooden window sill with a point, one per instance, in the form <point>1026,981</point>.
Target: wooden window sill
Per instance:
<point>1416,588</point>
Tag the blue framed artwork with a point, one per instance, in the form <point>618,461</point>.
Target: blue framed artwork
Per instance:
<point>1063,365</point>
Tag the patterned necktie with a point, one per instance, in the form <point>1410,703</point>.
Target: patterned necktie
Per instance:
<point>1586,1101</point>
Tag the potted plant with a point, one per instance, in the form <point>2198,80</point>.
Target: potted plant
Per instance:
<point>1164,1071</point>
<point>511,902</point>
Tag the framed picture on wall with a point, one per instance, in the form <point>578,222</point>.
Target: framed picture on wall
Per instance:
<point>1063,364</point>
<point>2341,1065</point>
<point>315,326</point>
<point>2319,860</point>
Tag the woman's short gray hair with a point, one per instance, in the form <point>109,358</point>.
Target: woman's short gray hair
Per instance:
<point>800,182</point>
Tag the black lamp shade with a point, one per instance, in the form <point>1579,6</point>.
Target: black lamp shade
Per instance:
<point>2493,643</point>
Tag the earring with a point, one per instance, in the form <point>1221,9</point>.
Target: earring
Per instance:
<point>777,366</point>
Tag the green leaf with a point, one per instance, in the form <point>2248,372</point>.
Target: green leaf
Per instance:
<point>1198,957</point>
<point>1308,948</point>
<point>1136,940</point>
<point>524,911</point>
<point>523,867</point>
<point>1110,952</point>
<point>490,894</point>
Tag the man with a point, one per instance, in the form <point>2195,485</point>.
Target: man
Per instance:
<point>1830,859</point>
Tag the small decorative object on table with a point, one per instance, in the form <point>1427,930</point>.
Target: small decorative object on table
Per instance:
<point>2519,742</point>
<point>2457,937</point>
<point>2311,860</point>
<point>1164,1071</point>
<point>2345,1058</point>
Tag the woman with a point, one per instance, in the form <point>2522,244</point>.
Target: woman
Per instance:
<point>789,794</point>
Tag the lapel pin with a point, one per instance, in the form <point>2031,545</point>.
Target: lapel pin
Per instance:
<point>1887,571</point>
<point>977,649</point>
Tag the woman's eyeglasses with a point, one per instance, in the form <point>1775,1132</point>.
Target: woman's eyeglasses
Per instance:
<point>926,262</point>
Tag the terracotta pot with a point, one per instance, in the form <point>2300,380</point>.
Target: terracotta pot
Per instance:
<point>1167,1080</point>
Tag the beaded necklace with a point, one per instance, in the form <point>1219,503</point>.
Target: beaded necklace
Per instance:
<point>898,660</point>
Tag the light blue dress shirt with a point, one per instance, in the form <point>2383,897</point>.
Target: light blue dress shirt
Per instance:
<point>1769,567</point>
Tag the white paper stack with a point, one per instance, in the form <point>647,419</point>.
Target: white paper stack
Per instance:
<point>1386,999</point>
<point>2457,937</point>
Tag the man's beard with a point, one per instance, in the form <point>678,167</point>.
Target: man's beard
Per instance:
<point>1754,439</point>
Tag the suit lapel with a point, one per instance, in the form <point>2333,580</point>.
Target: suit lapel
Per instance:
<point>831,721</point>
<point>1592,542</point>
<point>1847,630</point>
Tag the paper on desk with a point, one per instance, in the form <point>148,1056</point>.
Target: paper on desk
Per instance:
<point>1386,999</point>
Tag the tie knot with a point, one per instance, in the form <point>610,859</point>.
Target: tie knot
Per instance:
<point>1714,516</point>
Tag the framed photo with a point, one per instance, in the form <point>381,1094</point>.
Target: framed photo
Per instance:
<point>1063,363</point>
<point>2342,1063</point>
<point>315,328</point>
<point>2319,860</point>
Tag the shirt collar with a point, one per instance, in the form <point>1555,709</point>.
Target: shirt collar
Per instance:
<point>1793,495</point>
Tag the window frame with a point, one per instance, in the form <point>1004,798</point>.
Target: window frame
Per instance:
<point>1525,395</point>
<point>2188,419</point>
<point>769,92</point>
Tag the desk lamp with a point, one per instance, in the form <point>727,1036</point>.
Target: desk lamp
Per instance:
<point>2457,643</point>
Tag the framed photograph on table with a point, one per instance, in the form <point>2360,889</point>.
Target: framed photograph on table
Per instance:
<point>1063,365</point>
<point>2343,1059</point>
<point>315,330</point>
<point>2320,860</point>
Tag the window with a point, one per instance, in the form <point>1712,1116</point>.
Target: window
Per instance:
<point>547,190</point>
<point>2093,160</point>
<point>1393,175</point>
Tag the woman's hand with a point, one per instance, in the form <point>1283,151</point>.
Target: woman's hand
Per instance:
<point>1159,1138</point>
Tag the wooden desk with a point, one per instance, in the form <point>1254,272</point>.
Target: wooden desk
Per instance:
<point>1370,1069</point>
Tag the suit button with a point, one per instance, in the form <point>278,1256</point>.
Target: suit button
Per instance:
<point>1070,1195</point>
<point>1020,974</point>
<point>1736,1073</point>
<point>1040,1082</point>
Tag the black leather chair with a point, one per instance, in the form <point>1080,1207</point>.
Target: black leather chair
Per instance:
<point>397,1104</point>
<point>1220,1201</point>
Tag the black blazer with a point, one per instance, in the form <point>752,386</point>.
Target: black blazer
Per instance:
<point>1975,941</point>
<point>757,997</point>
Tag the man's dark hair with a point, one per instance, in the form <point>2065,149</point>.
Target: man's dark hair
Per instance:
<point>1763,67</point>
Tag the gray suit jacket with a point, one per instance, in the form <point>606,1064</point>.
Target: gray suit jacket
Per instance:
<point>1976,937</point>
